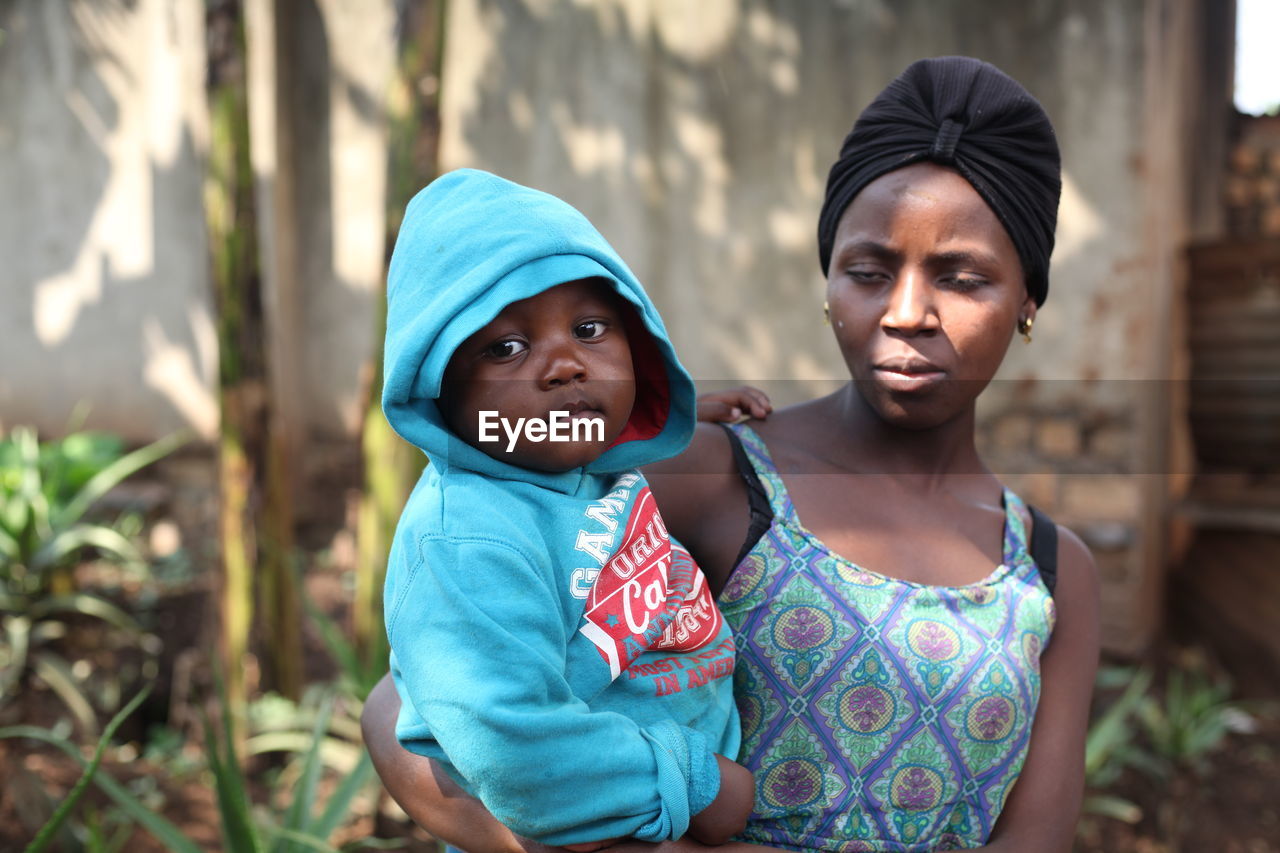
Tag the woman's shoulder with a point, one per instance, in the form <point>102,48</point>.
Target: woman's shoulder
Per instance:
<point>703,501</point>
<point>1079,583</point>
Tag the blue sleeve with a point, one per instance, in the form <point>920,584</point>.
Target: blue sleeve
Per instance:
<point>480,646</point>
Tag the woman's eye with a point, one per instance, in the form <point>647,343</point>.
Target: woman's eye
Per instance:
<point>864,276</point>
<point>505,349</point>
<point>591,329</point>
<point>963,283</point>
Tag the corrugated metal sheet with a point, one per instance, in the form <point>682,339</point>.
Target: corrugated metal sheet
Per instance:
<point>1234,335</point>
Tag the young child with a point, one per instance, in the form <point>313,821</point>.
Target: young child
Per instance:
<point>553,648</point>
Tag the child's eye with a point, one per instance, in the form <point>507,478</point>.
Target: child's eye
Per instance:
<point>505,349</point>
<point>591,329</point>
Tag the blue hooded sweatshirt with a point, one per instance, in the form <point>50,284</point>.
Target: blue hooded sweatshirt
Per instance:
<point>553,648</point>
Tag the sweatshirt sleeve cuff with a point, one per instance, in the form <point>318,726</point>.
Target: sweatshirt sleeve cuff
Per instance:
<point>688,779</point>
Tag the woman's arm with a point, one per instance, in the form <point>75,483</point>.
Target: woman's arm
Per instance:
<point>1045,802</point>
<point>703,502</point>
<point>438,805</point>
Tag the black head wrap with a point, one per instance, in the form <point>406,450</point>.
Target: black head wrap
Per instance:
<point>972,117</point>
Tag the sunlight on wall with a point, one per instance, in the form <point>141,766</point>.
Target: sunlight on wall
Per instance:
<point>172,370</point>
<point>1257,89</point>
<point>109,239</point>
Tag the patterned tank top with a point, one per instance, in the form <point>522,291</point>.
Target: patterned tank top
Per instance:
<point>878,714</point>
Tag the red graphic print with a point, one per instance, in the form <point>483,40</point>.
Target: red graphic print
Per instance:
<point>649,595</point>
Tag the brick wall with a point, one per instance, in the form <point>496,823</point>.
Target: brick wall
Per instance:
<point>1076,465</point>
<point>1253,180</point>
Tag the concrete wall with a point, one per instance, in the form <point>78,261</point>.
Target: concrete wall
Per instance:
<point>103,289</point>
<point>344,54</point>
<point>698,136</point>
<point>104,292</point>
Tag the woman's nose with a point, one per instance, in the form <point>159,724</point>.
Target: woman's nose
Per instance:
<point>910,308</point>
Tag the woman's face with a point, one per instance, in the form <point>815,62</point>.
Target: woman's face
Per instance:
<point>925,291</point>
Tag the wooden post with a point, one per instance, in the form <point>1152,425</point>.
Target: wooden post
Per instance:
<point>229,218</point>
<point>270,63</point>
<point>390,464</point>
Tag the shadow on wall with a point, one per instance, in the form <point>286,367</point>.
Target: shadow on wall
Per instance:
<point>106,248</point>
<point>698,136</point>
<point>103,126</point>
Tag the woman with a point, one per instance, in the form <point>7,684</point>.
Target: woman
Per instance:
<point>888,677</point>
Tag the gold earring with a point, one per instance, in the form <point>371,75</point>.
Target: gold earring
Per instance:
<point>1024,328</point>
<point>826,313</point>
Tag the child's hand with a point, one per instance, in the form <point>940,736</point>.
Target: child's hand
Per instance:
<point>730,406</point>
<point>727,815</point>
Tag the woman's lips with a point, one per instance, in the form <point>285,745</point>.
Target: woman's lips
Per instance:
<point>908,375</point>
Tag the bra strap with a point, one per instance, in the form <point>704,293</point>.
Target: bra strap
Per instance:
<point>757,499</point>
<point>1044,547</point>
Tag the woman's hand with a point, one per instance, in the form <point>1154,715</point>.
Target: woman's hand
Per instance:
<point>730,406</point>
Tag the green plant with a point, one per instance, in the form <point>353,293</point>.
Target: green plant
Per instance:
<point>49,831</point>
<point>277,724</point>
<point>46,489</point>
<point>294,820</point>
<point>358,669</point>
<point>1111,744</point>
<point>1191,721</point>
<point>1166,734</point>
<point>46,492</point>
<point>290,823</point>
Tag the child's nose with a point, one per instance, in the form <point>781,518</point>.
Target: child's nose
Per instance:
<point>564,366</point>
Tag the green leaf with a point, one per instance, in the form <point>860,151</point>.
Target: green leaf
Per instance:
<point>373,844</point>
<point>45,836</point>
<point>8,546</point>
<point>339,805</point>
<point>1114,728</point>
<point>239,833</point>
<point>33,505</point>
<point>1116,808</point>
<point>300,838</point>
<point>18,631</point>
<point>338,754</point>
<point>53,670</point>
<point>86,605</point>
<point>238,830</point>
<point>61,547</point>
<point>164,831</point>
<point>117,471</point>
<point>304,795</point>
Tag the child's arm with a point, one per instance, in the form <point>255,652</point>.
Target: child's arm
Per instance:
<point>727,815</point>
<point>436,803</point>
<point>733,405</point>
<point>479,650</point>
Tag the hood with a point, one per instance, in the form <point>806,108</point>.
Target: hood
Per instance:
<point>471,244</point>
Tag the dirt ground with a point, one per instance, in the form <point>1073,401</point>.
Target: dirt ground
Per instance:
<point>1232,808</point>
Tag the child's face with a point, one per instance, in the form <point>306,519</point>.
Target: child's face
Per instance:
<point>564,349</point>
